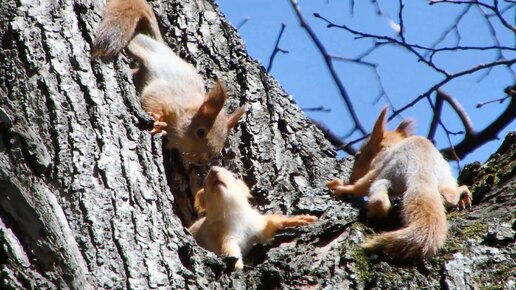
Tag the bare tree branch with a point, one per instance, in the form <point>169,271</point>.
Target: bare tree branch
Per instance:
<point>453,28</point>
<point>436,118</point>
<point>277,48</point>
<point>329,64</point>
<point>493,8</point>
<point>457,107</point>
<point>473,140</point>
<point>334,139</point>
<point>448,79</point>
<point>359,60</point>
<point>402,26</point>
<point>316,109</point>
<point>500,100</point>
<point>426,55</point>
<point>242,23</point>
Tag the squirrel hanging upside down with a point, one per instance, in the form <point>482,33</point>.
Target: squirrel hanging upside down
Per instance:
<point>172,90</point>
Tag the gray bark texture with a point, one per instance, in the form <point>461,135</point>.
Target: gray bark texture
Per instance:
<point>90,200</point>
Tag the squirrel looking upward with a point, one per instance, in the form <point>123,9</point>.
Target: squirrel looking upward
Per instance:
<point>172,90</point>
<point>231,226</point>
<point>396,164</point>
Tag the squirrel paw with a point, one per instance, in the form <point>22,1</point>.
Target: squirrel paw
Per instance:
<point>306,219</point>
<point>239,265</point>
<point>332,184</point>
<point>338,187</point>
<point>297,221</point>
<point>465,198</point>
<point>159,125</point>
<point>158,128</point>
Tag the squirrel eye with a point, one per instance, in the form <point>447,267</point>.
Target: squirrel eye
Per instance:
<point>357,155</point>
<point>200,132</point>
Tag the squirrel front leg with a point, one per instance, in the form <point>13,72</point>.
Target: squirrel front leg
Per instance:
<point>231,248</point>
<point>460,196</point>
<point>360,187</point>
<point>277,222</point>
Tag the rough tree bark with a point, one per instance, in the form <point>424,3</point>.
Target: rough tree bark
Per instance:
<point>89,200</point>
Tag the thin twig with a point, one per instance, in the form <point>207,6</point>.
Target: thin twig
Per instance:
<point>316,109</point>
<point>329,65</point>
<point>400,16</point>
<point>500,100</point>
<point>477,139</point>
<point>457,107</point>
<point>450,78</point>
<point>453,27</point>
<point>435,120</point>
<point>334,139</point>
<point>493,8</point>
<point>277,48</point>
<point>242,23</point>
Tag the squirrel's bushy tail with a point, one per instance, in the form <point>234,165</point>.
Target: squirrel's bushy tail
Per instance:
<point>121,20</point>
<point>425,233</point>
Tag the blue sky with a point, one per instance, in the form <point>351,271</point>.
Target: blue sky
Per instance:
<point>303,74</point>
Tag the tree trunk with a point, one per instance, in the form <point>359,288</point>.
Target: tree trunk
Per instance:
<point>90,200</point>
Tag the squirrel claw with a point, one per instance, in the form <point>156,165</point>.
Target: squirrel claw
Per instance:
<point>465,198</point>
<point>343,190</point>
<point>334,183</point>
<point>307,219</point>
<point>158,124</point>
<point>158,127</point>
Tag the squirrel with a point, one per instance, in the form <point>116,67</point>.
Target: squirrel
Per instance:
<point>231,226</point>
<point>172,90</point>
<point>398,164</point>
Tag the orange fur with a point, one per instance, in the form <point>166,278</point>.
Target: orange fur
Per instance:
<point>394,163</point>
<point>122,19</point>
<point>231,226</point>
<point>277,222</point>
<point>172,90</point>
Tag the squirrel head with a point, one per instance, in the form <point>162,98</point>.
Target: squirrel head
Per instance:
<point>223,190</point>
<point>204,135</point>
<point>379,140</point>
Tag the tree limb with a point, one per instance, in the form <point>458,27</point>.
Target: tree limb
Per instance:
<point>473,140</point>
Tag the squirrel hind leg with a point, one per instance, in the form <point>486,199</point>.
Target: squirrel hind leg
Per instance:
<point>230,248</point>
<point>378,205</point>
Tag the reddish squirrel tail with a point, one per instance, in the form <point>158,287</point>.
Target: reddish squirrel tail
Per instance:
<point>424,235</point>
<point>121,21</point>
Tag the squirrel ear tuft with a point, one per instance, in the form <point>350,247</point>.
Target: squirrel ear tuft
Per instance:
<point>199,202</point>
<point>214,101</point>
<point>235,117</point>
<point>379,127</point>
<point>406,127</point>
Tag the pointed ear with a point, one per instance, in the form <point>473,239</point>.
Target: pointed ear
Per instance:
<point>406,128</point>
<point>199,202</point>
<point>235,117</point>
<point>379,127</point>
<point>214,101</point>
